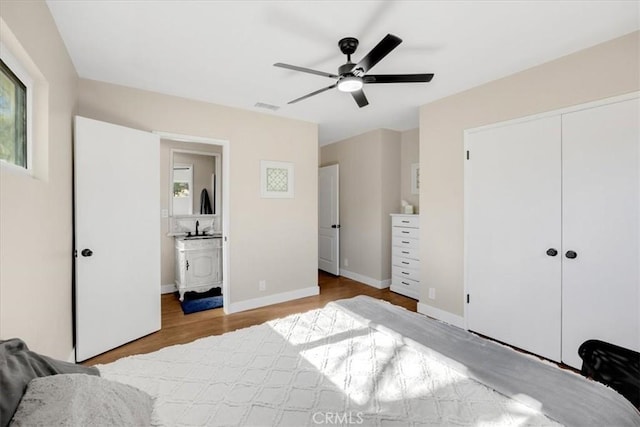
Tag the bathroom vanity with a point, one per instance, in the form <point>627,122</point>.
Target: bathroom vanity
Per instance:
<point>198,263</point>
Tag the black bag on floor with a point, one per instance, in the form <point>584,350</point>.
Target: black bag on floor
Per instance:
<point>615,366</point>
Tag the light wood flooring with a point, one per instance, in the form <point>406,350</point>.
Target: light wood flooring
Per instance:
<point>178,328</point>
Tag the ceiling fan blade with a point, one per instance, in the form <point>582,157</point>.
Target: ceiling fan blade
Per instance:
<point>313,93</point>
<point>397,78</point>
<point>360,98</point>
<point>305,70</point>
<point>382,49</point>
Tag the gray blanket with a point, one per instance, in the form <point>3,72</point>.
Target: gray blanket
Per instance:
<point>562,395</point>
<point>78,400</point>
<point>18,366</point>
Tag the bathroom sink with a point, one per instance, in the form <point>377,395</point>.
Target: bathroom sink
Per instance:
<point>202,237</point>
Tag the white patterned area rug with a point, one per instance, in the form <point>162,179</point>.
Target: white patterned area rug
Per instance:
<point>322,367</point>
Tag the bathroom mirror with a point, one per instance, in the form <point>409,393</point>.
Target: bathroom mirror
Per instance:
<point>194,183</point>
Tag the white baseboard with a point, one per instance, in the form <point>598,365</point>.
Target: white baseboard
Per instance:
<point>445,316</point>
<point>168,289</point>
<point>379,284</point>
<point>272,299</point>
<point>72,356</point>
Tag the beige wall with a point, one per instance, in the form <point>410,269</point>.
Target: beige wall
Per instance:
<point>602,71</point>
<point>167,242</point>
<point>269,239</point>
<point>369,191</point>
<point>35,213</point>
<point>390,146</point>
<point>409,154</point>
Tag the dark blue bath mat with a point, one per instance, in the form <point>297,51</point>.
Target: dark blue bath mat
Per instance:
<point>194,301</point>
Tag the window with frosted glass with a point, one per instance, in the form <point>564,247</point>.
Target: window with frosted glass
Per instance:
<point>13,118</point>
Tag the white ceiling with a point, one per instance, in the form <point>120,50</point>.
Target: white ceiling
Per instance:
<point>223,51</point>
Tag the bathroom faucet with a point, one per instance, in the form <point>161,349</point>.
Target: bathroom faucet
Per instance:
<point>197,225</point>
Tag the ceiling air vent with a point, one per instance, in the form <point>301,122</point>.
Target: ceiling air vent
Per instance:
<point>267,106</point>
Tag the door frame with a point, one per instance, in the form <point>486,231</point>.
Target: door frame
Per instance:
<point>226,162</point>
<point>467,175</point>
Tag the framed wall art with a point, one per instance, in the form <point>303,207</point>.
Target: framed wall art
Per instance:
<point>415,178</point>
<point>276,179</point>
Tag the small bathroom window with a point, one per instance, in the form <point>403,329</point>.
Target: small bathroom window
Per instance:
<point>182,184</point>
<point>181,189</point>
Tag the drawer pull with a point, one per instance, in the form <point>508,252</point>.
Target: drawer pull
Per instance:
<point>405,222</point>
<point>405,252</point>
<point>405,242</point>
<point>405,262</point>
<point>405,283</point>
<point>404,272</point>
<point>405,232</point>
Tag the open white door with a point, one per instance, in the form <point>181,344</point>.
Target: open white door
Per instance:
<point>328,220</point>
<point>117,235</point>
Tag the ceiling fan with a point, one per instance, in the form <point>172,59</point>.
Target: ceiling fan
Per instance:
<point>351,77</point>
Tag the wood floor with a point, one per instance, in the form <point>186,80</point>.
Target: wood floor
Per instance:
<point>178,328</point>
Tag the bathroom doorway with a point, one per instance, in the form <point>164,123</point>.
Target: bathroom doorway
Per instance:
<point>194,185</point>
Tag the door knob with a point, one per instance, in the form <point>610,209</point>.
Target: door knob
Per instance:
<point>571,254</point>
<point>552,252</point>
<point>86,252</point>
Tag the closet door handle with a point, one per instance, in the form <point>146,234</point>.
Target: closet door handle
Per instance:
<point>86,252</point>
<point>552,252</point>
<point>571,254</point>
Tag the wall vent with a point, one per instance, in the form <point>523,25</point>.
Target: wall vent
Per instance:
<point>267,106</point>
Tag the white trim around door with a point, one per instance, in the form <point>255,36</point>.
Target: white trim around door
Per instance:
<point>226,238</point>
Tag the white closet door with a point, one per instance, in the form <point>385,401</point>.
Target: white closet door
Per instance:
<point>512,186</point>
<point>117,235</point>
<point>328,219</point>
<point>600,224</point>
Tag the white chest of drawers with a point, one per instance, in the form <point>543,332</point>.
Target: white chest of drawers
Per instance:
<point>405,259</point>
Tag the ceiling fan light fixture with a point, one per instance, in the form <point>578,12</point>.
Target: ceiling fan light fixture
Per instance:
<point>350,84</point>
<point>352,77</point>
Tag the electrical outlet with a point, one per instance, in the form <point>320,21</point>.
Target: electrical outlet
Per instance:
<point>262,285</point>
<point>346,262</point>
<point>432,293</point>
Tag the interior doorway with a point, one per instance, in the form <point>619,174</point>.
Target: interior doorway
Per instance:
<point>215,154</point>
